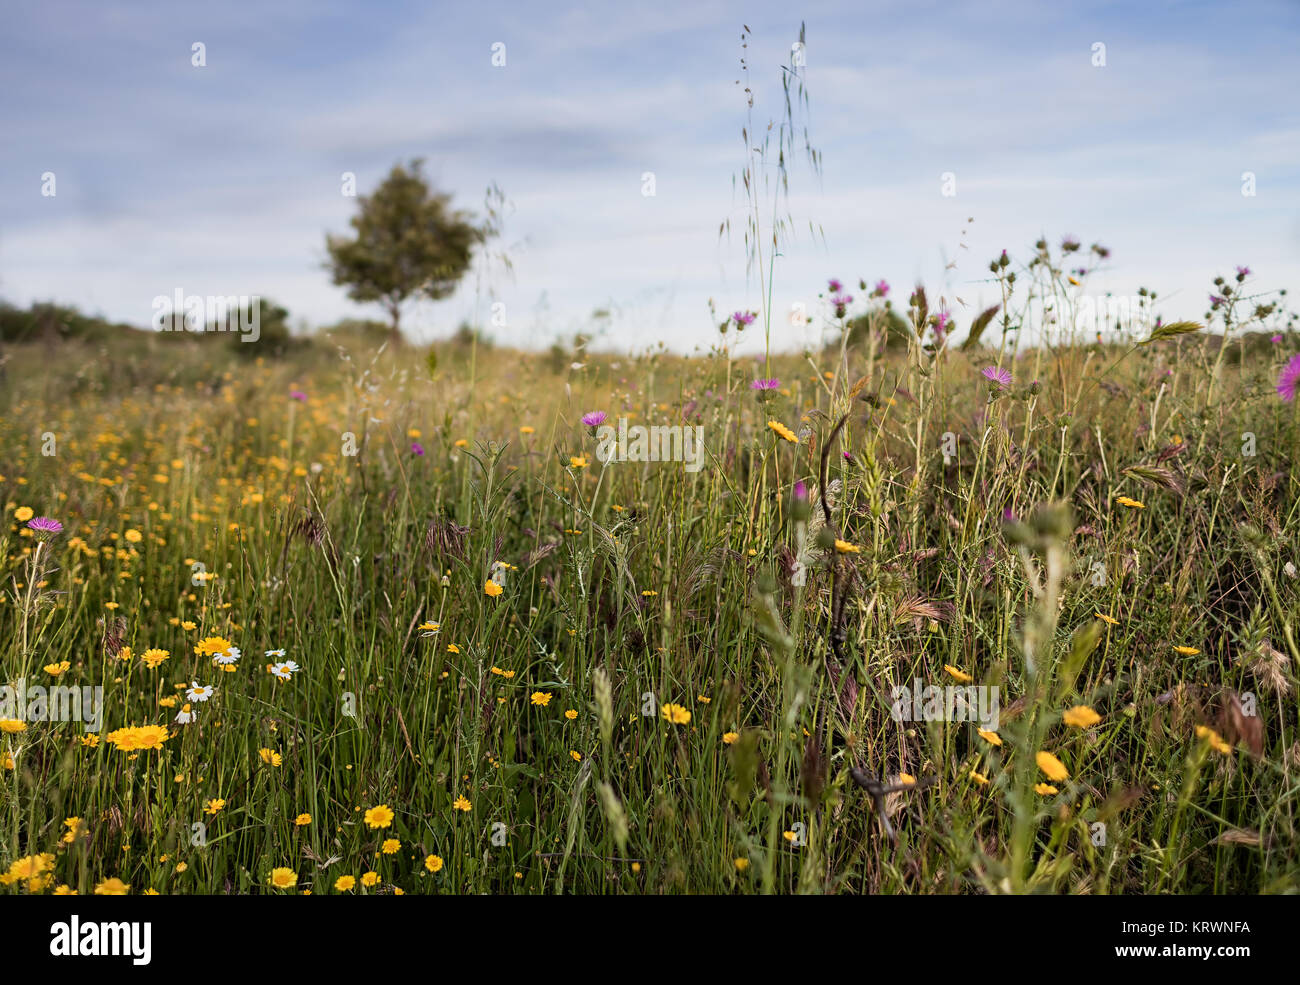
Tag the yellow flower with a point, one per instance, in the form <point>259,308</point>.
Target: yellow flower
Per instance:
<point>1052,766</point>
<point>23,514</point>
<point>461,804</point>
<point>956,674</point>
<point>12,725</point>
<point>729,737</point>
<point>380,816</point>
<point>343,883</point>
<point>54,670</point>
<point>741,864</point>
<point>369,878</point>
<point>214,806</point>
<point>1045,789</point>
<point>1081,716</point>
<point>907,778</point>
<point>541,698</point>
<point>783,431</point>
<point>1187,651</point>
<point>302,820</point>
<point>390,846</point>
<point>1215,740</point>
<point>283,878</point>
<point>575,755</point>
<point>676,714</point>
<point>527,430</point>
<point>133,536</point>
<point>433,863</point>
<point>992,738</point>
<point>1106,619</point>
<point>153,657</point>
<point>577,461</point>
<point>491,588</point>
<point>270,757</point>
<point>979,778</point>
<point>210,646</point>
<point>453,648</point>
<point>112,887</point>
<point>571,714</point>
<point>1130,503</point>
<point>844,547</point>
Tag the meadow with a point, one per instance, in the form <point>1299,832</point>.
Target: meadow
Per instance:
<point>380,621</point>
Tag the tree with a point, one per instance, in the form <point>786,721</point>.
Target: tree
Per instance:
<point>409,242</point>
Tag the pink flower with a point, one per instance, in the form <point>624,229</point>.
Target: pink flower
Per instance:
<point>765,384</point>
<point>594,419</point>
<point>882,289</point>
<point>834,285</point>
<point>44,525</point>
<point>1001,377</point>
<point>1289,379</point>
<point>417,448</point>
<point>743,318</point>
<point>297,395</point>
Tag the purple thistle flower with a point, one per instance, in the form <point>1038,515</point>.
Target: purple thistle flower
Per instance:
<point>594,419</point>
<point>765,384</point>
<point>842,300</point>
<point>298,395</point>
<point>800,490</point>
<point>882,288</point>
<point>834,285</point>
<point>1215,300</point>
<point>743,318</point>
<point>45,525</point>
<point>1002,377</point>
<point>1289,379</point>
<point>1276,339</point>
<point>1243,273</point>
<point>417,448</point>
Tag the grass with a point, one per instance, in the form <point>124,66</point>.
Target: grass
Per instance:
<point>537,740</point>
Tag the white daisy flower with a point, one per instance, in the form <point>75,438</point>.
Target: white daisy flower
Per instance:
<point>186,715</point>
<point>200,692</point>
<point>275,653</point>
<point>228,657</point>
<point>281,671</point>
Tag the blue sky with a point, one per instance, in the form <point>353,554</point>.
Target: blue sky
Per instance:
<point>225,179</point>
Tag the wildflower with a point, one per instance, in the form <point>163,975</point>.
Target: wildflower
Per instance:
<point>302,820</point>
<point>186,714</point>
<point>783,431</point>
<point>453,648</point>
<point>881,289</point>
<point>676,714</point>
<point>958,675</point>
<point>391,846</point>
<point>433,863</point>
<point>153,657</point>
<point>44,527</point>
<point>12,725</point>
<point>1132,504</point>
<point>979,778</point>
<point>577,461</point>
<point>212,646</point>
<point>1106,619</point>
<point>344,883</point>
<point>133,536</point>
<point>215,806</point>
<point>24,513</point>
<point>54,670</point>
<point>743,319</point>
<point>141,737</point>
<point>380,816</point>
<point>491,588</point>
<point>461,804</point>
<point>844,547</point>
<point>997,376</point>
<point>270,757</point>
<point>274,653</point>
<point>1214,739</point>
<point>763,386</point>
<point>992,738</point>
<point>112,887</point>
<point>741,864</point>
<point>417,448</point>
<point>527,430</point>
<point>1045,789</point>
<point>594,419</point>
<point>728,738</point>
<point>1051,766</point>
<point>282,878</point>
<point>370,878</point>
<point>575,755</point>
<point>284,670</point>
<point>1289,378</point>
<point>1081,716</point>
<point>907,778</point>
<point>1187,651</point>
<point>540,698</point>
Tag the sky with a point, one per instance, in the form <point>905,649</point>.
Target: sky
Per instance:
<point>224,178</point>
